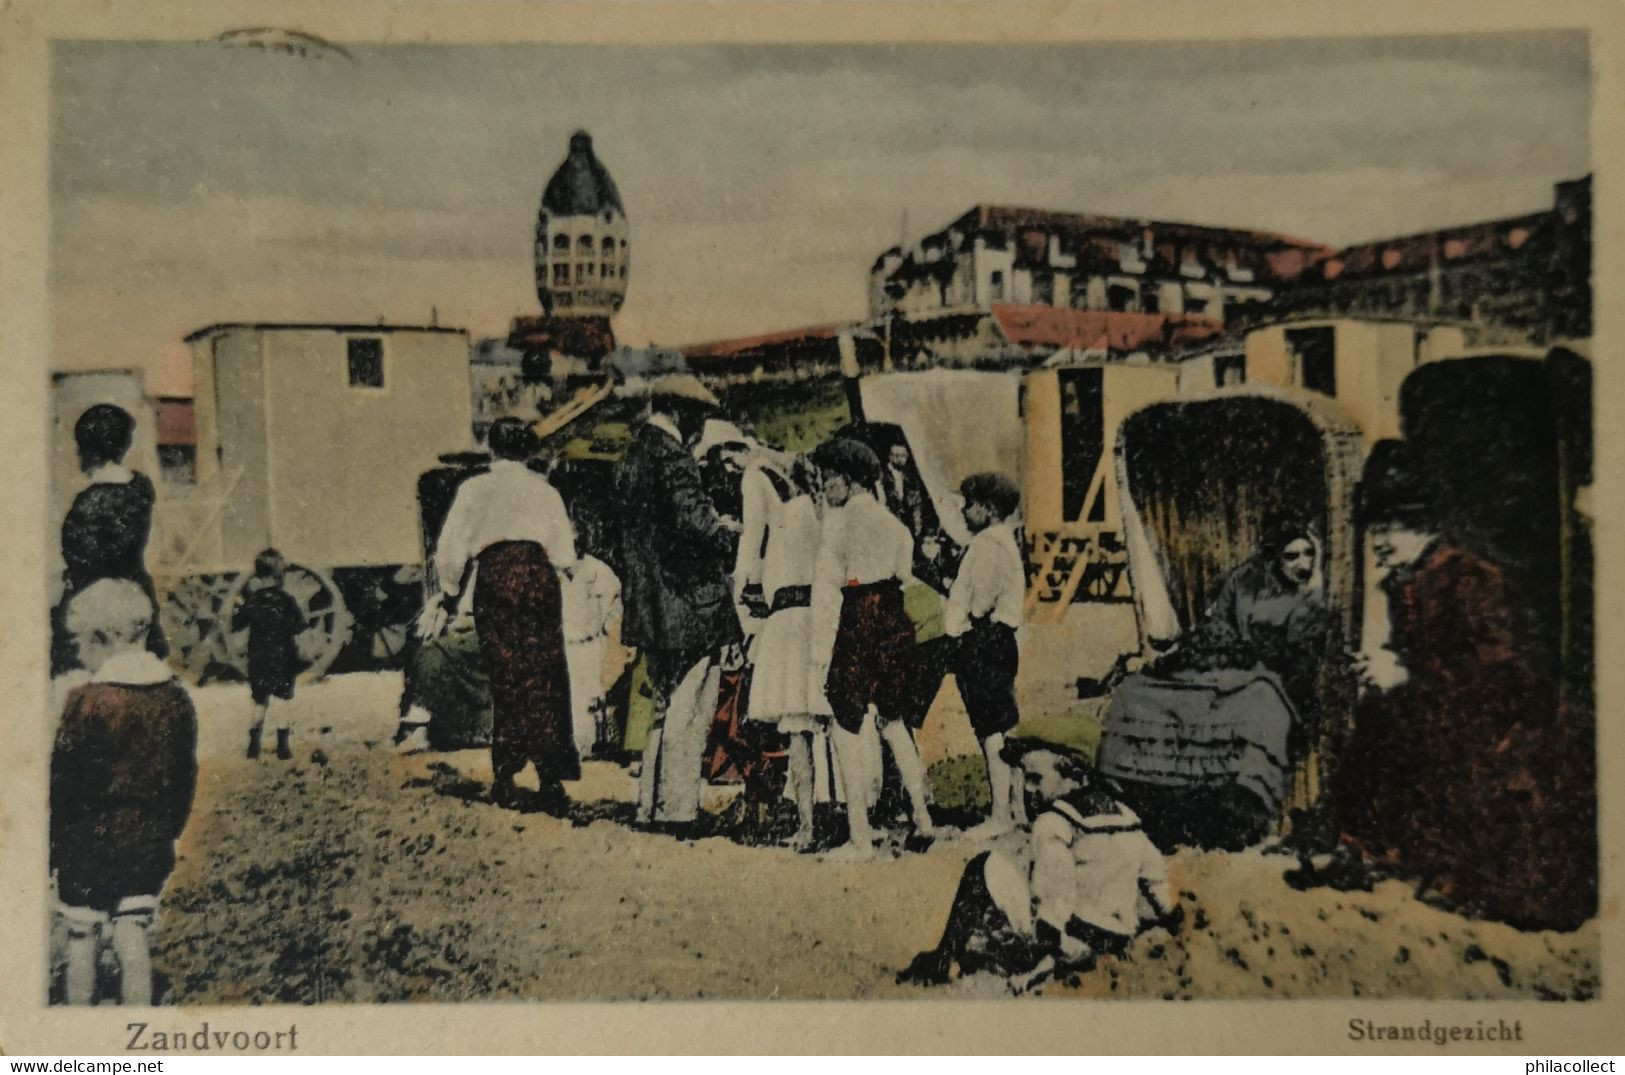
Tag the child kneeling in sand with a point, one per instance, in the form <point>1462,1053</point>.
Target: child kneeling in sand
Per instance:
<point>1090,881</point>
<point>123,770</point>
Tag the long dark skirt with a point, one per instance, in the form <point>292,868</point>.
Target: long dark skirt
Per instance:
<point>518,614</point>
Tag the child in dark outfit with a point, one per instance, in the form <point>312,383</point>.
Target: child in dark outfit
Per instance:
<point>123,770</point>
<point>273,621</point>
<point>984,612</point>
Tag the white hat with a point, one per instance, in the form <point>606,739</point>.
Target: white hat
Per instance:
<point>118,608</point>
<point>719,432</point>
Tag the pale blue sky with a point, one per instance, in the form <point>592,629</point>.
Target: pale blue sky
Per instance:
<point>194,182</point>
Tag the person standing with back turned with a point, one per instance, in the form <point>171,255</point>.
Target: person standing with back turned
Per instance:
<point>104,535</point>
<point>511,526</point>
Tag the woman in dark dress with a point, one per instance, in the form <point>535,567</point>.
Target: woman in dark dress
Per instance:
<point>1467,769</point>
<point>104,535</point>
<point>1208,736</point>
<point>1270,612</point>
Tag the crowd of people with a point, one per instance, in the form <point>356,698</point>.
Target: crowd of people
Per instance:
<point>800,569</point>
<point>820,580</point>
<point>803,566</point>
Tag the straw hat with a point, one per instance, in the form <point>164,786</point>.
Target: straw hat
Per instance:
<point>669,386</point>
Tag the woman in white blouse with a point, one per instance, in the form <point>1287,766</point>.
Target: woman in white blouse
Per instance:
<point>773,588</point>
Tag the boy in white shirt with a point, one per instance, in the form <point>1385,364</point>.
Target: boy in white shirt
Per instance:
<point>863,640</point>
<point>984,612</point>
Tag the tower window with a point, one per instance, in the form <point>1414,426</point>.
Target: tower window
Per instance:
<point>584,245</point>
<point>995,286</point>
<point>561,275</point>
<point>606,270</point>
<point>609,248</point>
<point>365,360</point>
<point>561,243</point>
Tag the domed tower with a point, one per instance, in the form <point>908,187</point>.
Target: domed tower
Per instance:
<point>581,238</point>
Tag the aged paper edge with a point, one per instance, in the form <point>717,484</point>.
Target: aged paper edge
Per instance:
<point>28,1027</point>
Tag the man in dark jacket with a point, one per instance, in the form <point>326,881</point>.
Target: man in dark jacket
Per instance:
<point>675,557</point>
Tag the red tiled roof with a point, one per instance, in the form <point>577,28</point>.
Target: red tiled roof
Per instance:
<point>731,348</point>
<point>1049,326</point>
<point>1096,242</point>
<point>1009,216</point>
<point>1419,252</point>
<point>176,421</point>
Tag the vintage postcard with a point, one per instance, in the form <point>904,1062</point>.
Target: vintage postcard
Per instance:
<point>1015,521</point>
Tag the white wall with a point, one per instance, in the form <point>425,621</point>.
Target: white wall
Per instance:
<point>343,461</point>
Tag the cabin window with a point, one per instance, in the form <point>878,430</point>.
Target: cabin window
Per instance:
<point>365,358</point>
<point>1229,370</point>
<point>1314,355</point>
<point>1121,297</point>
<point>1083,425</point>
<point>1151,302</point>
<point>1195,306</point>
<point>177,463</point>
<point>995,286</point>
